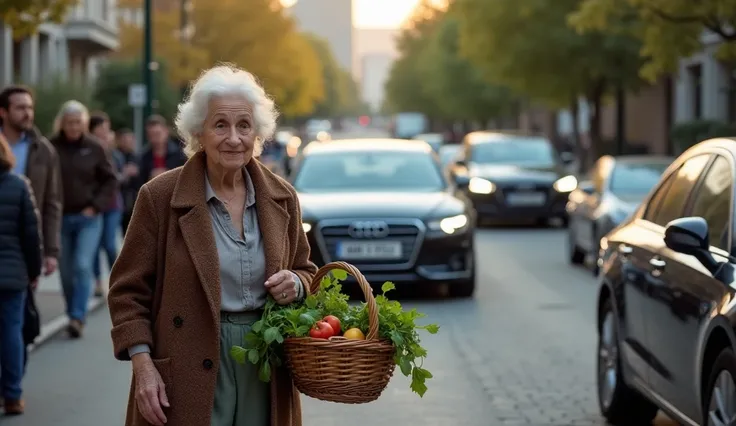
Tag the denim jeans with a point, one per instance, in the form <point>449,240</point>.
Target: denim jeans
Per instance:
<point>12,347</point>
<point>80,241</point>
<point>111,222</point>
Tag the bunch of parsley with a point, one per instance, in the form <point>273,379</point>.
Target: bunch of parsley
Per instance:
<point>264,341</point>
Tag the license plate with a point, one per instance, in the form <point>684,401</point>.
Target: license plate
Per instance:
<point>526,199</point>
<point>369,250</point>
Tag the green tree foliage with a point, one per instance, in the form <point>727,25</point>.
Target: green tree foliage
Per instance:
<point>24,16</point>
<point>530,47</point>
<point>457,87</point>
<point>111,92</point>
<point>51,95</point>
<point>668,29</point>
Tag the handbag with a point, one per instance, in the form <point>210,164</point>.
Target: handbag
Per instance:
<point>32,320</point>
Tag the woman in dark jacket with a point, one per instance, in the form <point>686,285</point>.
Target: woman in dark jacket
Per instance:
<point>20,267</point>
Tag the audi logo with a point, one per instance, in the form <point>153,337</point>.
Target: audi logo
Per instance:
<point>368,229</point>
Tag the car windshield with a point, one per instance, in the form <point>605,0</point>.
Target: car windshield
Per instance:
<point>515,152</point>
<point>635,179</point>
<point>369,171</point>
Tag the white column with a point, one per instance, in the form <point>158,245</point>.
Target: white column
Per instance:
<point>684,107</point>
<point>6,55</point>
<point>29,59</point>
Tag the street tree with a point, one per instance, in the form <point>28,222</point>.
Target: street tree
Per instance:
<point>531,48</point>
<point>455,85</point>
<point>405,91</point>
<point>24,16</point>
<point>668,29</point>
<point>255,35</point>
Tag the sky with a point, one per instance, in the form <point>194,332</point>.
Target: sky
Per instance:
<point>381,13</point>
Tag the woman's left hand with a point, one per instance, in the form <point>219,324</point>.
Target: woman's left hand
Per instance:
<point>282,287</point>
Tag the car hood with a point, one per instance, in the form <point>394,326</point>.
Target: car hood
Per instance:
<point>516,174</point>
<point>379,204</point>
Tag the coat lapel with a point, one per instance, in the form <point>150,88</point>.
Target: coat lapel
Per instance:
<point>196,228</point>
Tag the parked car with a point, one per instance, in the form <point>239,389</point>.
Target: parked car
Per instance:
<point>513,176</point>
<point>610,192</point>
<point>435,140</point>
<point>665,307</point>
<point>386,207</point>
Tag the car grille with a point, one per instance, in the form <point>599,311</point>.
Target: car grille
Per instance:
<point>513,188</point>
<point>407,234</point>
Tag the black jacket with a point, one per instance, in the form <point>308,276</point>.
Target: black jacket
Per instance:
<point>20,235</point>
<point>175,157</point>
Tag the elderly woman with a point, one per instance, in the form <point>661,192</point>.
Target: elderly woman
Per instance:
<point>207,244</point>
<point>88,184</point>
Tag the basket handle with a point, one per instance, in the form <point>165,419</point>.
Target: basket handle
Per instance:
<point>364,285</point>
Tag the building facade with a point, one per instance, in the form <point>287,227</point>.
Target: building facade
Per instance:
<point>374,73</point>
<point>70,50</point>
<point>331,20</point>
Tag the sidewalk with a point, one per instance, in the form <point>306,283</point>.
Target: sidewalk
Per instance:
<point>51,307</point>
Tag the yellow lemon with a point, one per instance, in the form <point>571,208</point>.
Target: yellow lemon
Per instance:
<point>354,334</point>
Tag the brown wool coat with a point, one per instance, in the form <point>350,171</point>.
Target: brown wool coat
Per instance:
<point>165,287</point>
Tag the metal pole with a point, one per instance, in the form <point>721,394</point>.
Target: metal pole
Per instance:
<point>138,127</point>
<point>148,65</point>
<point>184,37</point>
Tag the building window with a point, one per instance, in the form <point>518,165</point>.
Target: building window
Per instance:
<point>696,89</point>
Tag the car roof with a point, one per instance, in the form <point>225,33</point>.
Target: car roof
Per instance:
<point>490,136</point>
<point>367,144</point>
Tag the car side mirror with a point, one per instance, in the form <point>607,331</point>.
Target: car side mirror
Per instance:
<point>587,187</point>
<point>689,235</point>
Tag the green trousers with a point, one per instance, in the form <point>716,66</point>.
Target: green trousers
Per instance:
<point>241,399</point>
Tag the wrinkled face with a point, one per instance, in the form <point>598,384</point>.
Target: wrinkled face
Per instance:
<point>73,125</point>
<point>19,114</point>
<point>228,135</point>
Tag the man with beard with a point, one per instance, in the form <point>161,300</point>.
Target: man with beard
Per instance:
<point>36,158</point>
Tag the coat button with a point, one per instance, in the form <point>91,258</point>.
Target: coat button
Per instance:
<point>207,364</point>
<point>178,322</point>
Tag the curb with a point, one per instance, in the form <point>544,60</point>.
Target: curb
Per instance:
<point>58,324</point>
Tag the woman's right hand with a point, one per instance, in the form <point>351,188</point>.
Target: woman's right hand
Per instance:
<point>150,392</point>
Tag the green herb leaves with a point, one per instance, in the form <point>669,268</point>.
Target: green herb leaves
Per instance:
<point>263,344</point>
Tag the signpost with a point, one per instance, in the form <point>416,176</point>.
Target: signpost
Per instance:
<point>137,98</point>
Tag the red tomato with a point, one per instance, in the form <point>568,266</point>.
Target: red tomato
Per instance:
<point>334,322</point>
<point>321,330</point>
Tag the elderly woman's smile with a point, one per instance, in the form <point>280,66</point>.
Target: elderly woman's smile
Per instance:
<point>229,137</point>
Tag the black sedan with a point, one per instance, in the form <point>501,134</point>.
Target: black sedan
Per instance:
<point>612,190</point>
<point>516,177</point>
<point>384,206</point>
<point>666,305</point>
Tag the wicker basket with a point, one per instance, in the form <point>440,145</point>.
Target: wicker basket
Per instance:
<point>338,369</point>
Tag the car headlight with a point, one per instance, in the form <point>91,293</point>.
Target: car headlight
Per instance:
<point>566,184</point>
<point>449,225</point>
<point>481,186</point>
<point>306,226</point>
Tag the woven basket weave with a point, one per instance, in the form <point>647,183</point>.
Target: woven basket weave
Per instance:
<point>339,369</point>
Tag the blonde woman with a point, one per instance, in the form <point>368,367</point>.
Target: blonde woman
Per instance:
<point>88,182</point>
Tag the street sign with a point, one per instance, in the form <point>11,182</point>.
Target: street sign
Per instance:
<point>137,95</point>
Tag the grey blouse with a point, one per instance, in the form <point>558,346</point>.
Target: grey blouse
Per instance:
<point>242,260</point>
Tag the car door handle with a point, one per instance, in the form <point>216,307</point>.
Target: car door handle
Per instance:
<point>624,249</point>
<point>657,263</point>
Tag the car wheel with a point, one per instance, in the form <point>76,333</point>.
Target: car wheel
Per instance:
<point>464,288</point>
<point>577,256</point>
<point>618,403</point>
<point>719,404</point>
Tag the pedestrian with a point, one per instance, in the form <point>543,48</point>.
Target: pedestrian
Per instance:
<point>181,241</point>
<point>21,260</point>
<point>163,152</point>
<point>89,183</point>
<point>112,215</point>
<point>37,159</point>
<point>126,145</point>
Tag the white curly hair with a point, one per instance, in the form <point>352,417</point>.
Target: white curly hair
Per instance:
<point>224,79</point>
<point>71,107</point>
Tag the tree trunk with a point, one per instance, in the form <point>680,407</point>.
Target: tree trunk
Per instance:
<point>595,100</point>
